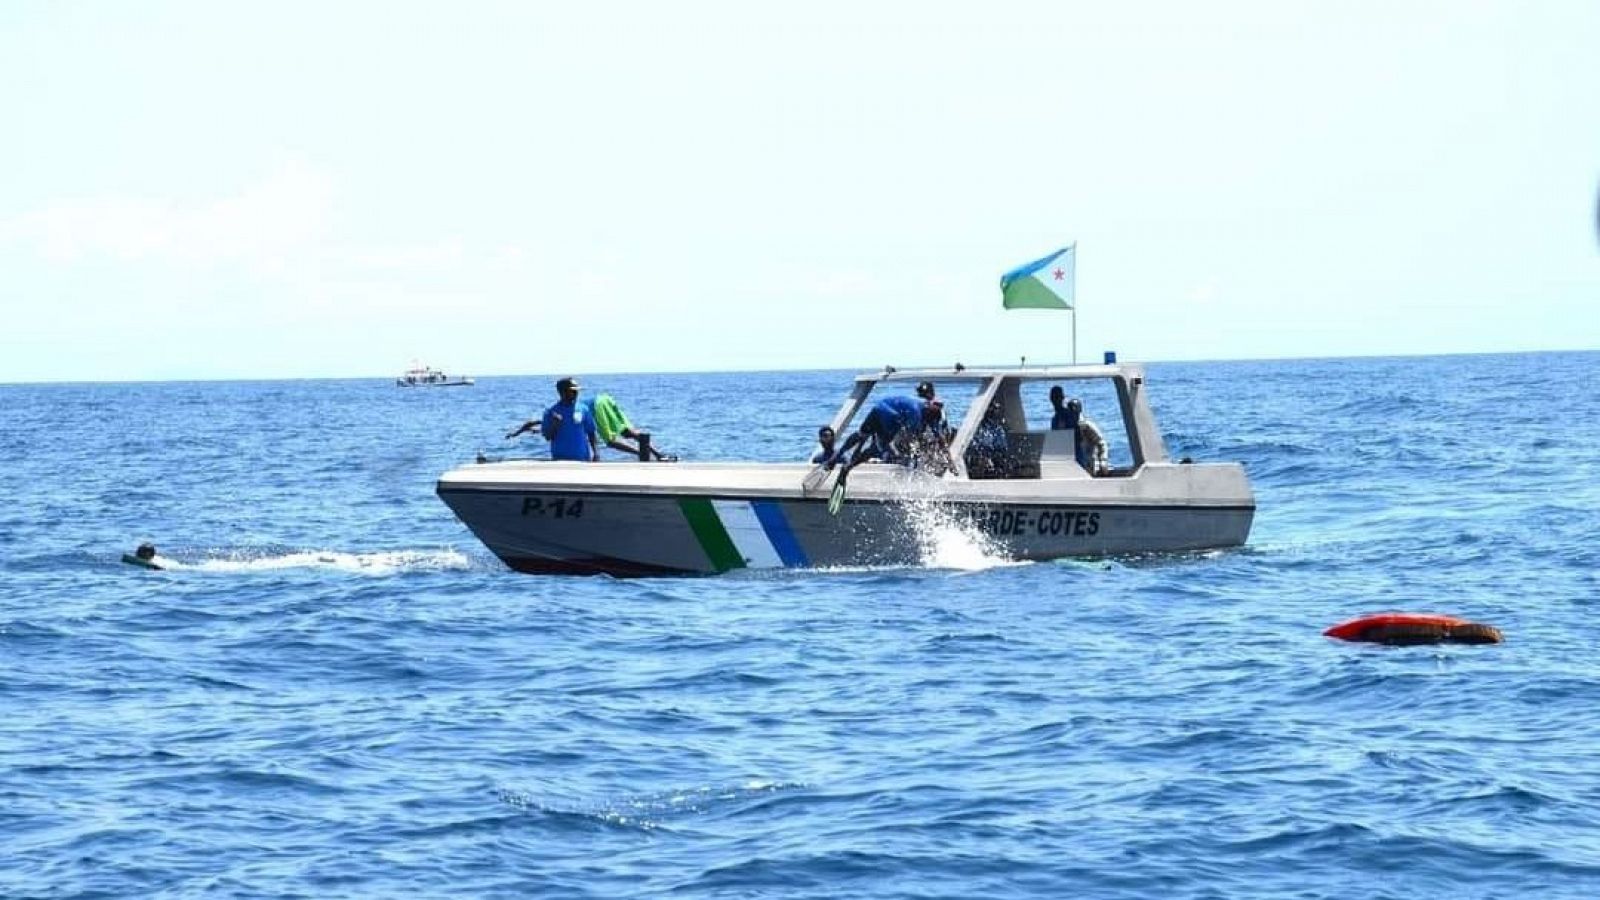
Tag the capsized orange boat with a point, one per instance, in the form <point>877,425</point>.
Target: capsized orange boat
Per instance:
<point>1410,629</point>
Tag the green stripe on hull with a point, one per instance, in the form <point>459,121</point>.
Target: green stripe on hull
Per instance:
<point>708,530</point>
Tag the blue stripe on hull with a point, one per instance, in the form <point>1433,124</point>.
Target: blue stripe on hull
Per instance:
<point>777,528</point>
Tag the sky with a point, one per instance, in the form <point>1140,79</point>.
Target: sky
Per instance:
<point>198,190</point>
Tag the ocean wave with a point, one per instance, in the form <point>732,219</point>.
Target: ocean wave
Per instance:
<point>646,812</point>
<point>342,694</point>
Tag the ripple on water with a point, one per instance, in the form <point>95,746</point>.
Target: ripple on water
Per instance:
<point>339,692</point>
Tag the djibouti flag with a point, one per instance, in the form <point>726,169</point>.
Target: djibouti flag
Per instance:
<point>1042,284</point>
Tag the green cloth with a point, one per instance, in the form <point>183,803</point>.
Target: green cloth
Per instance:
<point>609,419</point>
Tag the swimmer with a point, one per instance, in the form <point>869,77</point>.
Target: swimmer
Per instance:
<point>145,557</point>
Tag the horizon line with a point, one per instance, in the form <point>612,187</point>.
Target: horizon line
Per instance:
<point>980,365</point>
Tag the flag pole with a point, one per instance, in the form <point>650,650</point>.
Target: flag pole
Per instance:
<point>1074,302</point>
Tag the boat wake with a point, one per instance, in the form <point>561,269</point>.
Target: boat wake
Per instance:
<point>389,562</point>
<point>657,810</point>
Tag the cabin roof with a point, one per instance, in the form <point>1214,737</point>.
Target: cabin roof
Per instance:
<point>1026,373</point>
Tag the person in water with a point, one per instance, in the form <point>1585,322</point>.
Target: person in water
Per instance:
<point>826,451</point>
<point>145,555</point>
<point>889,421</point>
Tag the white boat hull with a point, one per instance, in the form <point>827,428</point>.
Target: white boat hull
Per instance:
<point>645,519</point>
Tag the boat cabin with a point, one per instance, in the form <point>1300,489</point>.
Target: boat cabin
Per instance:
<point>998,421</point>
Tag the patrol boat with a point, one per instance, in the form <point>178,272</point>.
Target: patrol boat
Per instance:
<point>1035,502</point>
<point>419,375</point>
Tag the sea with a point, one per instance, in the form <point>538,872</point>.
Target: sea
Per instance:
<point>338,692</point>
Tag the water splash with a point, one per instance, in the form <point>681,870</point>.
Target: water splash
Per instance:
<point>945,538</point>
<point>949,541</point>
<point>387,562</point>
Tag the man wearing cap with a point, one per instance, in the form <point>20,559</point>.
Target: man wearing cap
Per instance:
<point>1088,440</point>
<point>1091,441</point>
<point>889,419</point>
<point>943,429</point>
<point>569,427</point>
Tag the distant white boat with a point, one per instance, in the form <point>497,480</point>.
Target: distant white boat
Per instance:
<point>424,376</point>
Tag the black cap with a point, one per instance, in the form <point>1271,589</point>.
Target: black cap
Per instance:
<point>925,389</point>
<point>567,383</point>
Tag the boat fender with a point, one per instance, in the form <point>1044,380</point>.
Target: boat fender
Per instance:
<point>1411,629</point>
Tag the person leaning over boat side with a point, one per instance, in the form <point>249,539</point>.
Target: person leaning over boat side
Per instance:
<point>825,438</point>
<point>568,426</point>
<point>888,420</point>
<point>929,452</point>
<point>612,424</point>
<point>925,391</point>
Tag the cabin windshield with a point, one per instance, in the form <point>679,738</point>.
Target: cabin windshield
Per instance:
<point>1019,433</point>
<point>956,396</point>
<point>1024,433</point>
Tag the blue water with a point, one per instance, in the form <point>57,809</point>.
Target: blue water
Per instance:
<point>341,693</point>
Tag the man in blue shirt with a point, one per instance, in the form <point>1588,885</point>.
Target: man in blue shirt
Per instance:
<point>925,391</point>
<point>569,426</point>
<point>888,419</point>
